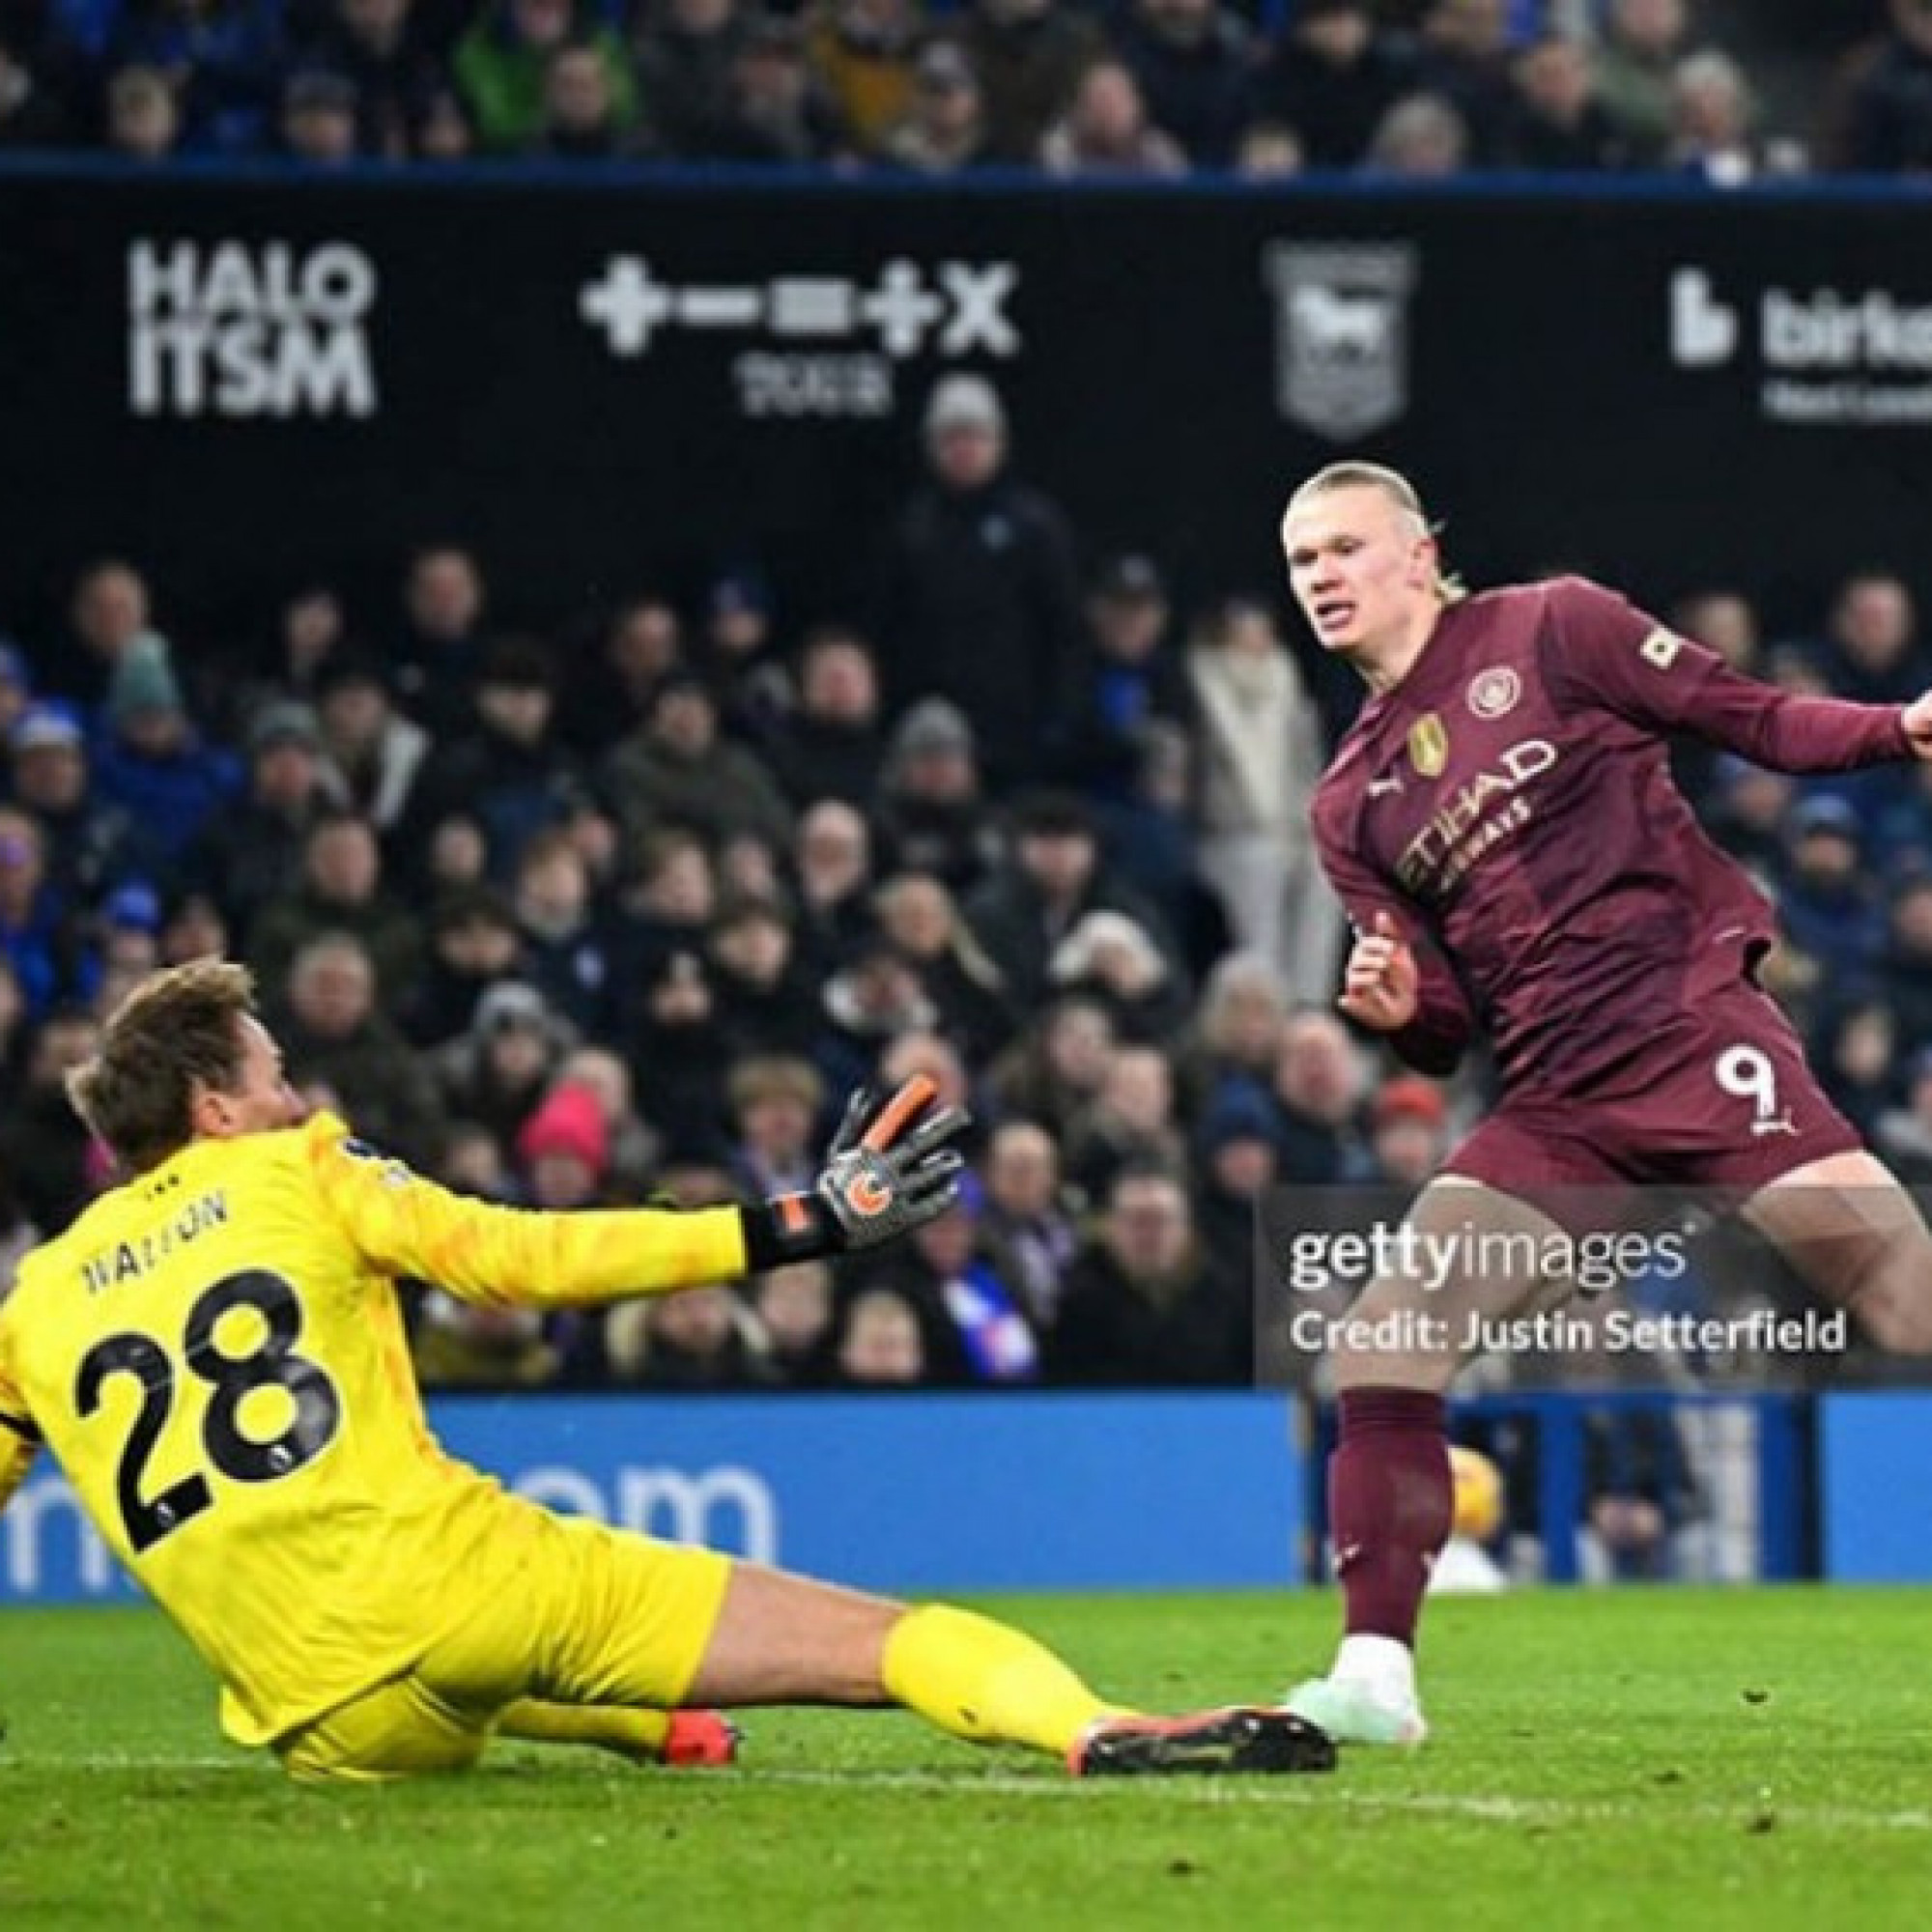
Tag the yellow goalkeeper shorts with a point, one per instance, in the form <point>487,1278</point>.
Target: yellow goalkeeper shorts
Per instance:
<point>579,1614</point>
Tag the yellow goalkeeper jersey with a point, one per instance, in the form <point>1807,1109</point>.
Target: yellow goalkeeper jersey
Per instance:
<point>215,1354</point>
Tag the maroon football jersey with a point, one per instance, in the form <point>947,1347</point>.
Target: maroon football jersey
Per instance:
<point>1510,804</point>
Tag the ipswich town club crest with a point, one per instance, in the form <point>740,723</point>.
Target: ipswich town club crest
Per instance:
<point>1341,331</point>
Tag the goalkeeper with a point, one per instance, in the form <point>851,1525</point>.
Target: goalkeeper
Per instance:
<point>214,1352</point>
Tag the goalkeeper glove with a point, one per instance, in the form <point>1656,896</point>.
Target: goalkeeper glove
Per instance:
<point>891,1168</point>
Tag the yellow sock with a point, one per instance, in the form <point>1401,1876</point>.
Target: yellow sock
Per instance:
<point>985,1682</point>
<point>636,1734</point>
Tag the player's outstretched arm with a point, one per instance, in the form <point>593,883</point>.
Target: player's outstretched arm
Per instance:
<point>892,1168</point>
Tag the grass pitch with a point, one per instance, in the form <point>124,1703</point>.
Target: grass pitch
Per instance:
<point>1750,1758</point>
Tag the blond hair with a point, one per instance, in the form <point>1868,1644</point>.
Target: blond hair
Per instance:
<point>178,1031</point>
<point>1354,473</point>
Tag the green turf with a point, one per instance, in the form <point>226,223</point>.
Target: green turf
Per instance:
<point>1756,1759</point>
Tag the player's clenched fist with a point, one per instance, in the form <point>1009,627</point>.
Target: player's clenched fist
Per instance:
<point>1380,986</point>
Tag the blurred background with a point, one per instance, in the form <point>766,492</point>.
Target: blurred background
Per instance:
<point>645,564</point>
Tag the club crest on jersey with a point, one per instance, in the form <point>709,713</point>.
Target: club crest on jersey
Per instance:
<point>1429,744</point>
<point>1495,692</point>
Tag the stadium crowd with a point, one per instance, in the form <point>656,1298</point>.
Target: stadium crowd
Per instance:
<point>1159,88</point>
<point>625,908</point>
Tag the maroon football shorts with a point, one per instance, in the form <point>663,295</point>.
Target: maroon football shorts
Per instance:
<point>1721,1099</point>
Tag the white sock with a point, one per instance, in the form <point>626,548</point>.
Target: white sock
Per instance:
<point>1387,1667</point>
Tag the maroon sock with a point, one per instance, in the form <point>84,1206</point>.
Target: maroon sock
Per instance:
<point>1389,1505</point>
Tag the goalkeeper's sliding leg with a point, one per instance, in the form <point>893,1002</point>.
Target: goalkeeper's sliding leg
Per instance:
<point>784,1639</point>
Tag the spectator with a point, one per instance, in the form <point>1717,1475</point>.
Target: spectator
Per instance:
<point>880,1343</point>
<point>473,942</point>
<point>794,1310</point>
<point>340,890</point>
<point>703,1338</point>
<point>320,123</point>
<point>975,1332</point>
<point>1333,77</point>
<point>462,1344</point>
<point>775,1103</point>
<point>1053,882</point>
<point>564,1149</point>
<point>1465,59</point>
<point>192,928</point>
<point>1637,67</point>
<point>372,755</point>
<point>1714,122</point>
<point>922,924</point>
<point>143,117</point>
<point>669,905</point>
<point>1028,55</point>
<point>1858,1060</point>
<point>1106,131</point>
<point>1142,1307</point>
<point>1409,1132</point>
<point>109,610</point>
<point>862,54</point>
<point>1825,903</point>
<point>1193,60</point>
<point>1126,679</point>
<point>685,53</point>
<point>678,770</point>
<point>506,769</point>
<point>632,1148</point>
<point>1130,1123</point>
<point>377,46</point>
<point>1422,137</point>
<point>1027,1229</point>
<point>40,938</point>
<point>931,813</point>
<point>1270,150</point>
<point>247,856</point>
<point>1905,983</point>
<point>582,119</point>
<point>1238,1160</point>
<point>1259,753</point>
<point>606,698</point>
<point>873,998</point>
<point>1113,958</point>
<point>1905,1132</point>
<point>45,1150</point>
<point>1236,1033</point>
<point>774,113</point>
<point>30,115</point>
<point>1871,645</point>
<point>501,65</point>
<point>220,56</point>
<point>1724,620</point>
<point>737,654</point>
<point>336,1036</point>
<point>85,843</point>
<point>498,1073</point>
<point>127,934</point>
<point>1748,808</point>
<point>16,686</point>
<point>980,595</point>
<point>441,128</point>
<point>1053,1072</point>
<point>832,744</point>
<point>835,880</point>
<point>766,1001</point>
<point>1318,1077</point>
<point>943,130</point>
<point>439,648</point>
<point>1557,124</point>
<point>154,764</point>
<point>677,1053</point>
<point>1889,118</point>
<point>563,942</point>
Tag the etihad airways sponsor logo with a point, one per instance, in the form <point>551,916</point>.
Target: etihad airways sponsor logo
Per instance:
<point>1478,816</point>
